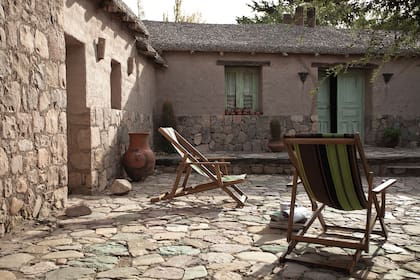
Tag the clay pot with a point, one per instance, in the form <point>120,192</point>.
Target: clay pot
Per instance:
<point>390,142</point>
<point>139,160</point>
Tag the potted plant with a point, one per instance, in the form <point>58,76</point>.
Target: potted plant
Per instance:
<point>167,119</point>
<point>391,137</point>
<point>276,142</point>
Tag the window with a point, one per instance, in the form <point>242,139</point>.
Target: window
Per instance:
<point>115,85</point>
<point>242,90</point>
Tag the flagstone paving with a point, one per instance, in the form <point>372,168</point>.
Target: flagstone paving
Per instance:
<point>200,236</point>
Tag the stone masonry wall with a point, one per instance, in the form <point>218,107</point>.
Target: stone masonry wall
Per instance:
<point>33,153</point>
<point>249,133</point>
<point>410,130</point>
<point>110,140</point>
<point>98,147</point>
<point>246,133</point>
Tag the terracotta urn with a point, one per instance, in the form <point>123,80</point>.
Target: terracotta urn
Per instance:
<point>139,160</point>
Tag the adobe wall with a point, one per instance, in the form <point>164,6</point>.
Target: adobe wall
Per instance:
<point>194,83</point>
<point>396,104</point>
<point>33,150</point>
<point>100,132</point>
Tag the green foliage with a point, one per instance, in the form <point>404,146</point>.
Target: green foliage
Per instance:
<point>391,137</point>
<point>392,133</point>
<point>400,16</point>
<point>275,130</point>
<point>167,119</point>
<point>329,12</point>
<point>403,15</point>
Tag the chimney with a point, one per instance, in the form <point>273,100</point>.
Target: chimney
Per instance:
<point>311,16</point>
<point>299,15</point>
<point>287,18</point>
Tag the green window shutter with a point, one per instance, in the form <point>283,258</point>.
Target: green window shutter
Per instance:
<point>250,87</point>
<point>230,88</point>
<point>254,89</point>
<point>247,89</point>
<point>240,79</point>
<point>323,103</point>
<point>350,105</point>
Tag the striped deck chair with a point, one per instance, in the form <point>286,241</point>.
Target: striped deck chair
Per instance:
<point>215,172</point>
<point>327,166</point>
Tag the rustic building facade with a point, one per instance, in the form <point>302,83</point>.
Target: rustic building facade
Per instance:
<point>108,94</point>
<point>77,75</point>
<point>289,62</point>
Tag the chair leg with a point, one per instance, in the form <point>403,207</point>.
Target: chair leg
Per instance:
<point>320,216</point>
<point>380,209</point>
<point>174,190</point>
<point>186,177</point>
<point>237,196</point>
<point>383,204</point>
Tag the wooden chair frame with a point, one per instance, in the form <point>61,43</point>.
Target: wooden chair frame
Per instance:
<point>359,245</point>
<point>214,169</point>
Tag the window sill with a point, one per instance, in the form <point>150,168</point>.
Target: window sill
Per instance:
<point>242,112</point>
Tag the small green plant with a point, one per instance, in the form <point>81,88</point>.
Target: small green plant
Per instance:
<point>391,137</point>
<point>391,132</point>
<point>167,119</point>
<point>275,130</point>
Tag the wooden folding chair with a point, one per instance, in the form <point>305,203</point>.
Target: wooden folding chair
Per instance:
<point>215,171</point>
<point>327,166</point>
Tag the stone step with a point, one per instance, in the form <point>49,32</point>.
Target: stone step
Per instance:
<point>403,170</point>
<point>404,164</point>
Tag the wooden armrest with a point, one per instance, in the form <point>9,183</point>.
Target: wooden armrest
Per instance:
<point>384,185</point>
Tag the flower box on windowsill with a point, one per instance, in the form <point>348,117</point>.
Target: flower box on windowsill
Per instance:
<point>242,112</point>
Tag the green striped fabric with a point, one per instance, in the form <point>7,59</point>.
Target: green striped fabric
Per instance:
<point>330,173</point>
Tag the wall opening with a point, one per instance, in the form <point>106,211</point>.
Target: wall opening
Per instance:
<point>115,85</point>
<point>242,89</point>
<point>78,118</point>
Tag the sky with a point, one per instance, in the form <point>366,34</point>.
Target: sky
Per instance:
<point>212,11</point>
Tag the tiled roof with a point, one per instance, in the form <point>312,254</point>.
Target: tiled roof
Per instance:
<point>261,38</point>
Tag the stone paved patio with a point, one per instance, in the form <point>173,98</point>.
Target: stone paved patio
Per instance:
<point>199,237</point>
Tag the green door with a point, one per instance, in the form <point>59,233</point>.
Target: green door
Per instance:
<point>323,103</point>
<point>340,102</point>
<point>350,96</point>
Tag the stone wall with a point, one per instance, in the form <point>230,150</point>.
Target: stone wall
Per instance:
<point>110,140</point>
<point>98,139</point>
<point>410,130</point>
<point>247,133</point>
<point>33,150</point>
